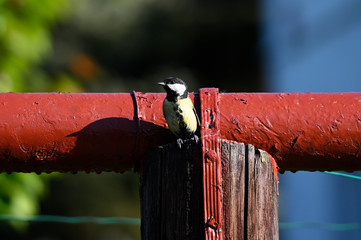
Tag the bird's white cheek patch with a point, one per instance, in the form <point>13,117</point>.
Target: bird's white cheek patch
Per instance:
<point>178,88</point>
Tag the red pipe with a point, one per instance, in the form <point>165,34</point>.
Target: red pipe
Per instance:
<point>45,132</point>
<point>302,131</point>
<point>111,132</point>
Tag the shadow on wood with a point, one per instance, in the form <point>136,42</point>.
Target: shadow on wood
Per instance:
<point>172,199</point>
<point>171,193</point>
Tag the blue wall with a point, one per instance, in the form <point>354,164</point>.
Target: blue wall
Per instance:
<point>314,46</point>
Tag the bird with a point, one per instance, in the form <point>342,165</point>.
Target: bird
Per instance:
<point>179,111</point>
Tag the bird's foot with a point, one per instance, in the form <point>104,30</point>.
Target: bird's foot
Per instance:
<point>195,138</point>
<point>180,142</point>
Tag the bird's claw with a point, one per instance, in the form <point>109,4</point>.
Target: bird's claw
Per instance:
<point>179,142</point>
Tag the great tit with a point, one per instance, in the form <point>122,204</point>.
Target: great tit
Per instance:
<point>178,110</point>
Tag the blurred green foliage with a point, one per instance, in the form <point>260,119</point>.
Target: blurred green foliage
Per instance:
<point>25,41</point>
<point>20,193</point>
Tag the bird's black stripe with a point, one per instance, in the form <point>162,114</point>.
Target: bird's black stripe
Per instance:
<point>183,130</point>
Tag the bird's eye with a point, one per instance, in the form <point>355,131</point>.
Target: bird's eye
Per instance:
<point>171,82</point>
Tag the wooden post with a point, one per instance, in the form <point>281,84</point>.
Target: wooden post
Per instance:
<point>171,193</point>
<point>249,193</point>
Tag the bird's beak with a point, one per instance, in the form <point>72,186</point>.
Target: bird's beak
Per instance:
<point>161,83</point>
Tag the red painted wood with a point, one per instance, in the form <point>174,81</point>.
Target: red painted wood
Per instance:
<point>212,167</point>
<point>112,132</point>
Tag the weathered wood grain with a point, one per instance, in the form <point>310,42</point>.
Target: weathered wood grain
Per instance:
<point>233,161</point>
<point>249,192</point>
<point>262,207</point>
<point>171,193</point>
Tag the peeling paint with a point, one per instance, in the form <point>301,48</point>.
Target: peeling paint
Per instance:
<point>302,131</point>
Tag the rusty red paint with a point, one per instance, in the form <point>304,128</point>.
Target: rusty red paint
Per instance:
<point>45,132</point>
<point>212,168</point>
<point>302,131</point>
<point>211,155</point>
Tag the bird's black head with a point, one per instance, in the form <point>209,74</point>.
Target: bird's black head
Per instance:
<point>175,87</point>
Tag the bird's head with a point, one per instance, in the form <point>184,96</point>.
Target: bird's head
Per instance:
<point>175,87</point>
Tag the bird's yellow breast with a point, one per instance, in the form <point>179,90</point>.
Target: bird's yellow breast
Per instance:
<point>180,116</point>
